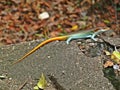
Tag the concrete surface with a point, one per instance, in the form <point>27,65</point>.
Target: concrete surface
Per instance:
<point>71,68</point>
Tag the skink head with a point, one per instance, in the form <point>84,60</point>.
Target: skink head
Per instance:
<point>102,29</point>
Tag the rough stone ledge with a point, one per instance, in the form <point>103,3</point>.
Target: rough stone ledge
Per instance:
<point>72,69</point>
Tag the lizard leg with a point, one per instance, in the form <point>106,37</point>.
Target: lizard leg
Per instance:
<point>93,37</point>
<point>72,38</point>
<point>96,33</point>
<point>69,39</point>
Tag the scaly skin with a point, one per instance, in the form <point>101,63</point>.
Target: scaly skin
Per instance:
<point>81,35</point>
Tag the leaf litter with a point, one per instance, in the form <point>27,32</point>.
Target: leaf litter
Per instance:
<point>19,19</point>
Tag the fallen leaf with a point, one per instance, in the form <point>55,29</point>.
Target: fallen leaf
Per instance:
<point>107,52</point>
<point>108,64</point>
<point>106,21</point>
<point>115,56</point>
<point>75,27</point>
<point>42,83</point>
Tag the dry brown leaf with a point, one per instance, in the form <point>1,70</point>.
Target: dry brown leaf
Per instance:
<point>107,52</point>
<point>108,64</point>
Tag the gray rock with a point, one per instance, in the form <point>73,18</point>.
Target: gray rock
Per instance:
<point>71,68</point>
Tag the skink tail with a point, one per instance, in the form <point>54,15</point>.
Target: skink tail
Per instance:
<point>61,38</point>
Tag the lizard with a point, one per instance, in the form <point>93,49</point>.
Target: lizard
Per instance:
<point>81,35</point>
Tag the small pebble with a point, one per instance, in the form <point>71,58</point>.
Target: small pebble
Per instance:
<point>116,67</point>
<point>48,56</point>
<point>43,15</point>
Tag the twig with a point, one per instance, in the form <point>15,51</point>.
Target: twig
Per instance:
<point>24,83</point>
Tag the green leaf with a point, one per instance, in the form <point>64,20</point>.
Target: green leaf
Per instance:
<point>118,9</point>
<point>36,88</point>
<point>42,83</point>
<point>107,21</point>
<point>115,56</point>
